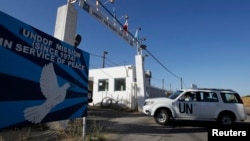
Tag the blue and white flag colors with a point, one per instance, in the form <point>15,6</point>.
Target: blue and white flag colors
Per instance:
<point>42,79</point>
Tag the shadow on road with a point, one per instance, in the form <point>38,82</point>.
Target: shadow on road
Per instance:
<point>121,122</point>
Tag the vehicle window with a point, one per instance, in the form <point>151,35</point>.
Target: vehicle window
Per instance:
<point>188,96</point>
<point>206,97</point>
<point>231,98</point>
<point>175,94</point>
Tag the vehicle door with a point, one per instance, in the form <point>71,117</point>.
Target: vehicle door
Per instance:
<point>206,104</point>
<point>183,106</point>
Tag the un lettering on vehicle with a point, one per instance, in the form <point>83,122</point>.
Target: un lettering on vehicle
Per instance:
<point>186,108</point>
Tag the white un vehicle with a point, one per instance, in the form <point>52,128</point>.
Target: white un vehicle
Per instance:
<point>222,105</point>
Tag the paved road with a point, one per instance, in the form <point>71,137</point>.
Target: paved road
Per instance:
<point>123,126</point>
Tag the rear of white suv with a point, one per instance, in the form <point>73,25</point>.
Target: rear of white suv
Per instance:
<point>224,106</point>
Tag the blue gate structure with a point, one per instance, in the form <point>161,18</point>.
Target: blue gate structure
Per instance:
<point>42,79</point>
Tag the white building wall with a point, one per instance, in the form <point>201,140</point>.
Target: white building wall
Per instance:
<point>127,72</point>
<point>129,96</point>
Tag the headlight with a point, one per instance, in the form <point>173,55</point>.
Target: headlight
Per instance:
<point>148,102</point>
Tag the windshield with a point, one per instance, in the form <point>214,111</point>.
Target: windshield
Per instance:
<point>175,94</point>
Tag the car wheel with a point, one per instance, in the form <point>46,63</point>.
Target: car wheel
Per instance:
<point>225,120</point>
<point>162,117</point>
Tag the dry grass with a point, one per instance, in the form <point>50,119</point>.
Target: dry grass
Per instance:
<point>72,133</point>
<point>246,100</point>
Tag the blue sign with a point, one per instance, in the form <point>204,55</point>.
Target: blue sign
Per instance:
<point>42,79</point>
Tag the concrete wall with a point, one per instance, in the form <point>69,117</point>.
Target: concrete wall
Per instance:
<point>152,92</point>
<point>66,21</point>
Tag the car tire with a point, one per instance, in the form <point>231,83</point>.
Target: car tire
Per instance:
<point>225,119</point>
<point>162,117</point>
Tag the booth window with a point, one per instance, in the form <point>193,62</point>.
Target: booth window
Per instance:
<point>103,85</point>
<point>120,84</point>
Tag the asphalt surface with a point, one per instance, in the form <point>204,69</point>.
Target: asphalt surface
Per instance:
<point>117,125</point>
<point>134,126</point>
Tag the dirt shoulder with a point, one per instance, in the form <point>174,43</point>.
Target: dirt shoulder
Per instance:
<point>96,121</point>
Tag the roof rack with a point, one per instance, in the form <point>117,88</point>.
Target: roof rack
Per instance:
<point>215,89</point>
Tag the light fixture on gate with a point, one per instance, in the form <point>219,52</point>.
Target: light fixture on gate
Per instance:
<point>78,40</point>
<point>143,46</point>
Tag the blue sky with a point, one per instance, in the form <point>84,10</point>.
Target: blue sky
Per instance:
<point>205,42</point>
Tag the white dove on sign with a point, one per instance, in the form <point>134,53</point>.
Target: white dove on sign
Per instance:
<point>53,93</point>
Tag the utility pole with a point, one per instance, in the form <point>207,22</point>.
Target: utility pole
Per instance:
<point>163,83</point>
<point>103,58</point>
<point>181,83</point>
